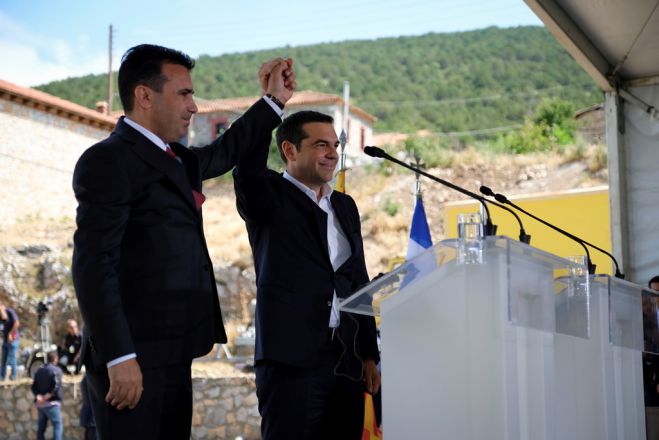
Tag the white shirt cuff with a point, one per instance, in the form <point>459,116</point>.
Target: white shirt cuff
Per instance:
<point>274,106</point>
<point>121,359</point>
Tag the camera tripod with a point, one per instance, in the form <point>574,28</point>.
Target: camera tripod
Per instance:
<point>43,345</point>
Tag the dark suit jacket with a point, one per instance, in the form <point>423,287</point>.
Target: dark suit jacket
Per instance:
<point>294,276</point>
<point>141,269</point>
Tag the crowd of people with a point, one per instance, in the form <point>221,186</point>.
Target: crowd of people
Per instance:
<point>47,380</point>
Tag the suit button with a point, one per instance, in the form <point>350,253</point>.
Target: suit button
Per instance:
<point>329,303</point>
<point>206,267</point>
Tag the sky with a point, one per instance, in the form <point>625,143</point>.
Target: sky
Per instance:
<point>45,40</point>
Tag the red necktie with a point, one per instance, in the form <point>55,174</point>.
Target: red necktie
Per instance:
<point>199,198</point>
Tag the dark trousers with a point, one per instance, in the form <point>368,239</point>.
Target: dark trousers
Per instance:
<point>90,434</point>
<point>164,411</point>
<point>309,403</point>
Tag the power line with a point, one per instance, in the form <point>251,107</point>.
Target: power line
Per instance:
<point>480,132</point>
<point>531,93</point>
<point>475,132</point>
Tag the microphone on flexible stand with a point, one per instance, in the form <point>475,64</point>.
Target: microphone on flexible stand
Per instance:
<point>523,236</point>
<point>490,229</point>
<point>501,198</point>
<point>591,267</point>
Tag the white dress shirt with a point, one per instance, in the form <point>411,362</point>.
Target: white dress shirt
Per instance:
<point>337,242</point>
<point>146,133</point>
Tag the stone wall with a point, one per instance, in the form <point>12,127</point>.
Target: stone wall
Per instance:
<point>224,408</point>
<point>38,151</point>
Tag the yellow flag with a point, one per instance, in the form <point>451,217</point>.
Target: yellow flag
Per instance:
<point>371,429</point>
<point>341,181</point>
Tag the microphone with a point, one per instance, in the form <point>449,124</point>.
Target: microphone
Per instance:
<point>490,229</point>
<point>523,236</point>
<point>591,267</point>
<point>375,152</point>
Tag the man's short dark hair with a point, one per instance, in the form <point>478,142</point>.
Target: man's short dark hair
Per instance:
<point>291,128</point>
<point>142,65</point>
<point>655,279</point>
<point>51,357</point>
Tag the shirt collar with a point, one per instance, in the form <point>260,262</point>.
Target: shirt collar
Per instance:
<point>325,189</point>
<point>146,133</point>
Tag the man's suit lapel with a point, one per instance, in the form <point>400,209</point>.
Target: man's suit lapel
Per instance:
<point>314,213</point>
<point>159,160</point>
<point>320,218</point>
<point>342,214</point>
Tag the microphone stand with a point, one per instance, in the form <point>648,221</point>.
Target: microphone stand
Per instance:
<point>591,267</point>
<point>490,229</point>
<point>523,236</point>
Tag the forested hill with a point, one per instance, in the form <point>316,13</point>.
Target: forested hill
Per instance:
<point>440,82</point>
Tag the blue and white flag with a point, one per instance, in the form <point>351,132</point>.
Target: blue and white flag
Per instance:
<point>419,232</point>
<point>419,242</point>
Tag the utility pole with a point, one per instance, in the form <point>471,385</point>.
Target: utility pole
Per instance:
<point>343,138</point>
<point>346,105</point>
<point>110,92</point>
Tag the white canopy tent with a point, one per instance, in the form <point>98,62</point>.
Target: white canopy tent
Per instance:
<point>617,43</point>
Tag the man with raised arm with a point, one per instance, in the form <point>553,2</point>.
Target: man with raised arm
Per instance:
<point>141,268</point>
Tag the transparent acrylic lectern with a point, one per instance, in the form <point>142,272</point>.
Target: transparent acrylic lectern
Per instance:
<point>511,348</point>
<point>605,370</point>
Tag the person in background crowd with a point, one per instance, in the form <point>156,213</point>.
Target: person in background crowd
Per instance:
<point>651,361</point>
<point>86,415</point>
<point>70,352</point>
<point>47,390</point>
<point>10,341</point>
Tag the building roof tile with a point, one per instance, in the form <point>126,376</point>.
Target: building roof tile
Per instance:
<point>299,99</point>
<point>58,106</point>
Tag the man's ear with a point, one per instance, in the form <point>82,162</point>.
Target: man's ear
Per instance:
<point>143,96</point>
<point>289,150</point>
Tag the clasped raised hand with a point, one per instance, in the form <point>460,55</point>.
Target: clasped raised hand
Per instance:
<point>277,78</point>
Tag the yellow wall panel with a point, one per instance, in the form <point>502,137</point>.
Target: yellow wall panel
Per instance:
<point>582,212</point>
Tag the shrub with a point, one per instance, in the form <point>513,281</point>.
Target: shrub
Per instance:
<point>551,128</point>
<point>391,207</point>
<point>432,151</point>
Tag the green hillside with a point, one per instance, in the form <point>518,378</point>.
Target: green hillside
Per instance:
<point>439,82</point>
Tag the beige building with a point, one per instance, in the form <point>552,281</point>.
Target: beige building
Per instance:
<point>41,138</point>
<point>215,116</point>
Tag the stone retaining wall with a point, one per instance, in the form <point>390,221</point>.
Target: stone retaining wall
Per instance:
<point>224,408</point>
<point>38,152</point>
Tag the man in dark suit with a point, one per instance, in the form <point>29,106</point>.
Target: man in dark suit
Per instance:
<point>141,269</point>
<point>312,362</point>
